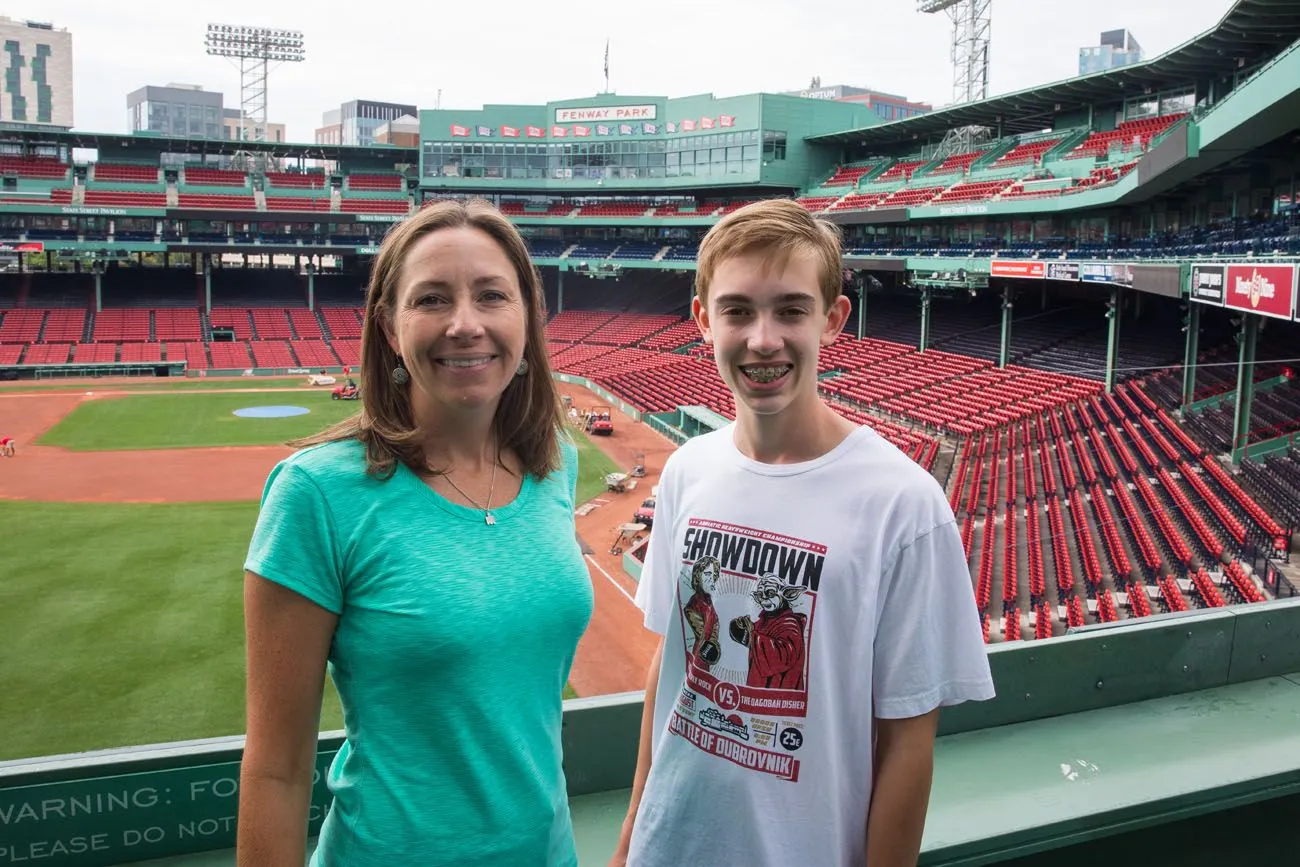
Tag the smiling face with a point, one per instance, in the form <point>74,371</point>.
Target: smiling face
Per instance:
<point>767,328</point>
<point>459,320</point>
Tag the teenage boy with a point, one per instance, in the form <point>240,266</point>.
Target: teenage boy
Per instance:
<point>810,587</point>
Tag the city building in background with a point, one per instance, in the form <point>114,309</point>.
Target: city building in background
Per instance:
<point>231,127</point>
<point>189,111</point>
<point>355,122</point>
<point>330,131</point>
<point>1117,48</point>
<point>183,110</point>
<point>404,132</point>
<point>887,106</point>
<point>37,66</point>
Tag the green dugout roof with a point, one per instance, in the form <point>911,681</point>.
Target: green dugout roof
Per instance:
<point>705,416</point>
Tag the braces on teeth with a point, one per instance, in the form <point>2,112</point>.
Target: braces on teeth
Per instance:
<point>766,374</point>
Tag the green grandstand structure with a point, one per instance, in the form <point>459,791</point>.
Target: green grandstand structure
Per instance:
<point>1110,271</point>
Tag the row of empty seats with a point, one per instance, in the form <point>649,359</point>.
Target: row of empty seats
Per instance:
<point>198,355</point>
<point>1131,135</point>
<point>118,324</point>
<point>36,168</point>
<point>122,173</point>
<point>1086,529</point>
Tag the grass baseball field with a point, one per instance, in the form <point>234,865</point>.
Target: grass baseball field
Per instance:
<point>121,623</point>
<point>170,421</point>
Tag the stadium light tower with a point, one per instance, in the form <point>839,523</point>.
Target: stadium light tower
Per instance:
<point>253,49</point>
<point>972,23</point>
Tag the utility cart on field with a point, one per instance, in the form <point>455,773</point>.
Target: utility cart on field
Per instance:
<point>627,534</point>
<point>619,483</point>
<point>600,421</point>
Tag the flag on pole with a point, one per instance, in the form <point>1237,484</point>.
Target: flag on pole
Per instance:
<point>607,63</point>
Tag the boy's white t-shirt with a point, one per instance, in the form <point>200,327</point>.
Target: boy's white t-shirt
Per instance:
<point>797,601</point>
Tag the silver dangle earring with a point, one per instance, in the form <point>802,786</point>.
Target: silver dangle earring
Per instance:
<point>400,374</point>
<point>522,368</point>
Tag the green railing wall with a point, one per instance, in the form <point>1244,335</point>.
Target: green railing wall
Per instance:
<point>605,395</point>
<point>1110,731</point>
<point>1275,82</point>
<point>1256,451</point>
<point>660,423</point>
<point>1264,385</point>
<point>632,563</point>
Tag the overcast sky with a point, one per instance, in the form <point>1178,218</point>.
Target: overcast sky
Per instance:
<point>491,51</point>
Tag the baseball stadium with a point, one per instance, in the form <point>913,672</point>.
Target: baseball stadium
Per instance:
<point>1074,305</point>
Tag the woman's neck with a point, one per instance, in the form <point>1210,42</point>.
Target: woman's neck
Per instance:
<point>459,443</point>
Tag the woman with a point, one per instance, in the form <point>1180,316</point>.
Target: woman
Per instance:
<point>426,549</point>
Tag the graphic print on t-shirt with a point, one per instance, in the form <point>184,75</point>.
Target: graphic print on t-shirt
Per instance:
<point>746,598</point>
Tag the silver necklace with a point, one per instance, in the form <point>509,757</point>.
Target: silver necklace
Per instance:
<point>487,509</point>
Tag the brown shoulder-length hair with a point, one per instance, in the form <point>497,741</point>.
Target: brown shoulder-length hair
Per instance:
<point>529,417</point>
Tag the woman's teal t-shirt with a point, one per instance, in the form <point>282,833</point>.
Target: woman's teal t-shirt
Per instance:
<point>453,646</point>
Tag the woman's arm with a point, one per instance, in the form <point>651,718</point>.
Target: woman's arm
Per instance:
<point>288,640</point>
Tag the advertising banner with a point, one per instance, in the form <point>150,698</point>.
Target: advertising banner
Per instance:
<point>1063,271</point>
<point>1268,290</point>
<point>1106,272</point>
<point>1206,284</point>
<point>1028,268</point>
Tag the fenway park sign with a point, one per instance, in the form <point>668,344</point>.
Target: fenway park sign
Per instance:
<point>1268,290</point>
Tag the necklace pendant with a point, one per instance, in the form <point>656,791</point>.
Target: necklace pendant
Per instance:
<point>488,519</point>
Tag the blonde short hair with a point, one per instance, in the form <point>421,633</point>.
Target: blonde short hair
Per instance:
<point>777,230</point>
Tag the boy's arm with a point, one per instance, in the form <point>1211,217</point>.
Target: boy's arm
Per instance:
<point>929,654</point>
<point>642,759</point>
<point>904,765</point>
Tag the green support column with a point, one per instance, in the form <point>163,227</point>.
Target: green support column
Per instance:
<point>862,312</point>
<point>925,320</point>
<point>1004,351</point>
<point>1245,386</point>
<point>207,284</point>
<point>99,289</point>
<point>1190,353</point>
<point>1112,339</point>
<point>559,298</point>
<point>311,288</point>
